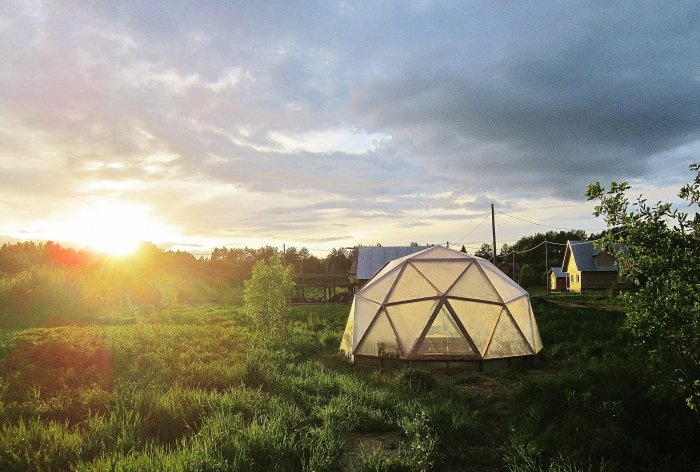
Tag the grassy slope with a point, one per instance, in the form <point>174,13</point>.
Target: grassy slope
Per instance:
<point>194,389</point>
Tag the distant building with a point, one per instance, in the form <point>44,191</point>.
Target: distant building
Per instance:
<point>511,269</point>
<point>589,268</point>
<point>557,279</point>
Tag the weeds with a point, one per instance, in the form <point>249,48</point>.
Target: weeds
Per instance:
<point>195,391</point>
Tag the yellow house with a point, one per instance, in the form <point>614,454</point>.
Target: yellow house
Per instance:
<point>589,268</point>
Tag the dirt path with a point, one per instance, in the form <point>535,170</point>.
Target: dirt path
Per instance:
<point>581,304</point>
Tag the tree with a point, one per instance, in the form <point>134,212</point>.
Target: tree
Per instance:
<point>338,261</point>
<point>661,257</point>
<point>484,251</point>
<point>265,296</point>
<point>296,258</point>
<point>527,277</point>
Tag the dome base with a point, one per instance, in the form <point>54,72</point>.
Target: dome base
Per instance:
<point>456,365</point>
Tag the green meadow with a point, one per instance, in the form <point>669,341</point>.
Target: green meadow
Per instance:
<point>195,389</point>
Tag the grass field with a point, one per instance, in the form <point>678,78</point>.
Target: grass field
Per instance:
<point>195,389</point>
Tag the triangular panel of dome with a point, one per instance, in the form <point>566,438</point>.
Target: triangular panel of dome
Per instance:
<point>474,284</point>
<point>479,320</point>
<point>520,310</point>
<point>441,274</point>
<point>380,339</point>
<point>443,338</point>
<point>409,319</point>
<point>346,342</point>
<point>507,340</point>
<point>506,288</point>
<point>411,285</point>
<point>439,252</point>
<point>365,312</point>
<point>538,339</point>
<point>378,287</point>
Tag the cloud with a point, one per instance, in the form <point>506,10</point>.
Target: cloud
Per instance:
<point>265,119</point>
<point>328,141</point>
<point>578,95</point>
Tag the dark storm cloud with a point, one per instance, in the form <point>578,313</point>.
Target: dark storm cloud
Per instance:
<point>589,91</point>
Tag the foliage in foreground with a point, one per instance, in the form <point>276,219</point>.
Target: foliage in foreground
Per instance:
<point>661,257</point>
<point>603,408</point>
<point>202,392</point>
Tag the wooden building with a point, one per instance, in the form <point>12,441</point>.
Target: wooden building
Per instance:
<point>589,269</point>
<point>557,279</point>
<point>322,288</point>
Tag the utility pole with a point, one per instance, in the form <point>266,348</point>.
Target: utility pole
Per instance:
<point>546,264</point>
<point>493,229</point>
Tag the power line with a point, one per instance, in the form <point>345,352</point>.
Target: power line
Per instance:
<point>539,224</point>
<point>474,229</point>
<point>525,250</point>
<point>556,244</point>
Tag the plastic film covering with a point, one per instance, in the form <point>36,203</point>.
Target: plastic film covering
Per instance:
<point>439,252</point>
<point>506,288</point>
<point>409,319</point>
<point>443,338</point>
<point>520,311</point>
<point>473,284</point>
<point>411,284</point>
<point>506,340</point>
<point>479,320</point>
<point>346,342</point>
<point>441,274</point>
<point>380,340</point>
<point>365,312</point>
<point>538,339</point>
<point>377,289</point>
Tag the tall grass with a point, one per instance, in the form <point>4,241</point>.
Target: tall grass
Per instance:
<point>195,390</point>
<point>605,410</point>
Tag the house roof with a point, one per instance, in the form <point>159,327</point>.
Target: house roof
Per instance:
<point>558,272</point>
<point>586,257</point>
<point>371,259</point>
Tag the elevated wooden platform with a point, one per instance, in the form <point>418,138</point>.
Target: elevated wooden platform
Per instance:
<point>337,288</point>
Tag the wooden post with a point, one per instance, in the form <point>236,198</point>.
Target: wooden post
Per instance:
<point>546,265</point>
<point>493,229</point>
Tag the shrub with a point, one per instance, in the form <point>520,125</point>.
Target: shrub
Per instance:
<point>660,256</point>
<point>265,296</point>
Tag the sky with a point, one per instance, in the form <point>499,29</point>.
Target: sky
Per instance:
<point>330,124</point>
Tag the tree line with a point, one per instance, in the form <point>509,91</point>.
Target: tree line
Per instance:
<point>48,283</point>
<point>38,280</point>
<point>533,257</point>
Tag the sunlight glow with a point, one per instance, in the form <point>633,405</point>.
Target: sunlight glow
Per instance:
<point>112,227</point>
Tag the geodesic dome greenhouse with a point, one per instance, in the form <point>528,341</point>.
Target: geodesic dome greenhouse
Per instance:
<point>440,304</point>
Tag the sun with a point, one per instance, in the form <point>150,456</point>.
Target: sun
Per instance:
<point>113,228</point>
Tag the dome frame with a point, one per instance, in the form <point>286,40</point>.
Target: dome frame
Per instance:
<point>441,305</point>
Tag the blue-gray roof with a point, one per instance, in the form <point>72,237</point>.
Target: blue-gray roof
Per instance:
<point>558,272</point>
<point>585,256</point>
<point>371,259</point>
